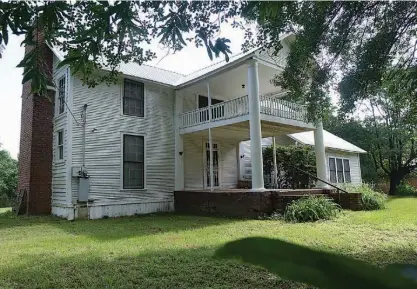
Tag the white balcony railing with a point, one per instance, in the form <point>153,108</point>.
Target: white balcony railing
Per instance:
<point>269,105</point>
<point>223,110</point>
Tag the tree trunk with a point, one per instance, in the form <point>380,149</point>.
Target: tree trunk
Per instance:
<point>394,180</point>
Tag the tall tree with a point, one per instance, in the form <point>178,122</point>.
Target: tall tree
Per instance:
<point>391,122</point>
<point>360,40</point>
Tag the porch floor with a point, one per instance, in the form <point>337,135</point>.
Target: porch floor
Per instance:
<point>287,192</point>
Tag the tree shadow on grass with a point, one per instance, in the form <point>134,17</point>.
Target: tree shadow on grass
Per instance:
<point>179,268</point>
<point>323,269</point>
<point>118,228</point>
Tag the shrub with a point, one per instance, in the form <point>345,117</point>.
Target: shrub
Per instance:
<point>290,158</point>
<point>405,189</point>
<point>310,209</point>
<point>370,200</point>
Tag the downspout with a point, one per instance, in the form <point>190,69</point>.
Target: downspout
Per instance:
<point>84,121</point>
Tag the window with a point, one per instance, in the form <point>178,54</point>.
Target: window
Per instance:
<point>61,95</point>
<point>133,162</point>
<point>133,98</point>
<point>339,170</point>
<point>60,147</point>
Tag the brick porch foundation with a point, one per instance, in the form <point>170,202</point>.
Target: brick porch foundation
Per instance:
<point>244,203</point>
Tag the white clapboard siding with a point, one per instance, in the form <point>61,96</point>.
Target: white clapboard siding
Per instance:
<point>103,155</point>
<point>59,123</point>
<point>194,162</point>
<point>189,101</point>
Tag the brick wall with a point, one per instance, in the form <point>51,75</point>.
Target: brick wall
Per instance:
<point>351,201</point>
<point>250,204</point>
<point>35,155</point>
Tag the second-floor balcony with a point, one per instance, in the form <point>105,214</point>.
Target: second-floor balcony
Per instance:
<point>272,109</point>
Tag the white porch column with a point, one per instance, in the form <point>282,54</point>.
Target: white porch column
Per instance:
<point>179,146</point>
<point>320,155</point>
<point>210,139</point>
<point>255,127</point>
<point>274,157</point>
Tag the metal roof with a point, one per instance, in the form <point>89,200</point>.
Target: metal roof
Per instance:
<point>168,77</point>
<point>330,141</point>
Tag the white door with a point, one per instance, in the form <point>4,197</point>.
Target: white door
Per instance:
<point>206,161</point>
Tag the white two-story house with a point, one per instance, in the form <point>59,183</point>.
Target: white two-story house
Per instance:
<point>141,139</point>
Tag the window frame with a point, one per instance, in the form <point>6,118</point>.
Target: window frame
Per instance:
<point>122,98</point>
<point>343,159</point>
<point>122,185</point>
<point>59,146</point>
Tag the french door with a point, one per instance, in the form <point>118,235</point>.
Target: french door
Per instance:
<point>206,160</point>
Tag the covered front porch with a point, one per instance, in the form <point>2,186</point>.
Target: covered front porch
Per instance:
<point>226,105</point>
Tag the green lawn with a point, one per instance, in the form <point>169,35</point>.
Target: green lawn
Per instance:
<point>169,251</point>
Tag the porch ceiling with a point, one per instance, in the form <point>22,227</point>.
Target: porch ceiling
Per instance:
<point>240,131</point>
<point>228,84</point>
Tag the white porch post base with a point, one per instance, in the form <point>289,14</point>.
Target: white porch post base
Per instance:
<point>255,127</point>
<point>320,156</point>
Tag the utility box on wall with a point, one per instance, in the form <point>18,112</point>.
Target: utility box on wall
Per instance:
<point>83,189</point>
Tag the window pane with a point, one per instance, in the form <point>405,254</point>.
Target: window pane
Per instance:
<point>332,169</point>
<point>346,166</point>
<point>61,95</point>
<point>61,152</point>
<point>133,162</point>
<point>133,175</point>
<point>60,137</point>
<point>133,98</point>
<point>339,167</point>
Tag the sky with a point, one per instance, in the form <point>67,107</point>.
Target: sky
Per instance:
<point>185,61</point>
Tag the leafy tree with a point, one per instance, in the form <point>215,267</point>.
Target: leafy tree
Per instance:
<point>386,127</point>
<point>8,175</point>
<point>360,39</point>
<point>98,35</point>
<point>391,123</point>
<point>290,160</point>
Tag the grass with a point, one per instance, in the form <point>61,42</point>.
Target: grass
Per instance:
<point>171,251</point>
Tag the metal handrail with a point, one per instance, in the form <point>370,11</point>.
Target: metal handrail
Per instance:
<point>338,190</point>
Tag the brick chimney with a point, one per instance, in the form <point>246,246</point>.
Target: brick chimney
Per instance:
<point>35,156</point>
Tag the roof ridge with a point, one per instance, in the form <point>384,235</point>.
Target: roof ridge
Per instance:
<point>220,61</point>
<point>153,66</point>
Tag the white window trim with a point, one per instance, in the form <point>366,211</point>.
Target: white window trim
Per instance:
<point>61,73</point>
<point>56,156</point>
<point>144,161</point>
<point>122,90</point>
<point>343,167</point>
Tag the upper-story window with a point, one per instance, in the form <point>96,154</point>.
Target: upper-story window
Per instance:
<point>61,95</point>
<point>133,98</point>
<point>339,170</point>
